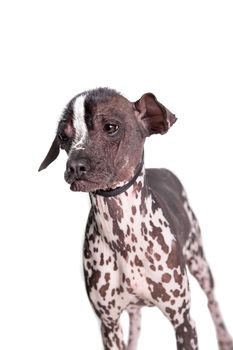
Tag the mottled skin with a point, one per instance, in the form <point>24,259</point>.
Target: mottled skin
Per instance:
<point>139,240</point>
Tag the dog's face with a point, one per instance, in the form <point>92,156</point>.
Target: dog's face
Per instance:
<point>103,134</point>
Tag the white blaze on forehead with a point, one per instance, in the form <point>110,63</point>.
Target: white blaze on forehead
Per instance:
<point>79,122</point>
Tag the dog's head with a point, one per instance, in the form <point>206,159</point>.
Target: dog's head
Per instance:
<point>103,134</point>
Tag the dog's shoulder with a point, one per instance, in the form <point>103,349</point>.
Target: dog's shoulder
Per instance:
<point>163,179</point>
<point>167,189</point>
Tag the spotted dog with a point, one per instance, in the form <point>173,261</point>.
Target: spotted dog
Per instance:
<point>141,232</point>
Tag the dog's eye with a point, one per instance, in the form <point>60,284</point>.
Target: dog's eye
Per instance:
<point>110,128</point>
<point>63,138</point>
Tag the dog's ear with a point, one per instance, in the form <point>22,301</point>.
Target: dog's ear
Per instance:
<point>52,154</point>
<point>155,118</point>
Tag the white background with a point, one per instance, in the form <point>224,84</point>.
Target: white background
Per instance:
<point>52,50</point>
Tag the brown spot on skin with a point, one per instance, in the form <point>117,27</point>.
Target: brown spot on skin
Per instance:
<point>176,293</point>
<point>129,290</point>
<point>172,260</point>
<point>106,216</point>
<point>115,210</point>
<point>134,238</point>
<point>183,307</point>
<point>171,313</point>
<point>119,245</point>
<point>105,310</point>
<point>178,277</point>
<point>143,228</point>
<point>103,290</point>
<point>94,279</point>
<point>149,258</point>
<point>137,187</point>
<point>87,251</point>
<point>108,260</point>
<point>152,267</point>
<point>107,276</point>
<point>154,206</point>
<point>150,247</point>
<point>112,303</point>
<point>128,248</point>
<point>183,293</point>
<point>134,210</point>
<point>137,261</point>
<point>160,267</point>
<point>157,290</point>
<point>157,257</point>
<point>101,259</point>
<point>156,233</point>
<point>119,290</point>
<point>132,220</point>
<point>127,281</point>
<point>143,206</point>
<point>166,278</point>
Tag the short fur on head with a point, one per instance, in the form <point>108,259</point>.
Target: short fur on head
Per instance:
<point>107,132</point>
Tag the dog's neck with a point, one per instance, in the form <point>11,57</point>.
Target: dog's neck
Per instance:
<point>118,218</point>
<point>122,188</point>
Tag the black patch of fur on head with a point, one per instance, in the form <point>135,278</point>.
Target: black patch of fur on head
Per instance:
<point>94,98</point>
<point>100,95</point>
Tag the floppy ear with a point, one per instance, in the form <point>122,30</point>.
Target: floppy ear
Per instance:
<point>155,118</point>
<point>52,154</point>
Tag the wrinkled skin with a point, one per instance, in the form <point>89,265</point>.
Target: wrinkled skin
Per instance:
<point>112,158</point>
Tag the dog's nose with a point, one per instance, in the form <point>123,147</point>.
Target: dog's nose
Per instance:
<point>78,168</point>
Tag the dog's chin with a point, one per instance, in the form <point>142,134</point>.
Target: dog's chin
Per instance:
<point>83,186</point>
<point>90,186</point>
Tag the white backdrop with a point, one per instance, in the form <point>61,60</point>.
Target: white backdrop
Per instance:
<point>51,50</point>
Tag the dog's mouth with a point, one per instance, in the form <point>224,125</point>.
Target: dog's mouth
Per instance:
<point>101,181</point>
<point>83,185</point>
<point>87,185</point>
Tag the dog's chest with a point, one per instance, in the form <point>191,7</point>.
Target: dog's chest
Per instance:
<point>128,246</point>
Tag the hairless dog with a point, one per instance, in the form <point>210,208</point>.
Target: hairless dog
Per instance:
<point>141,232</point>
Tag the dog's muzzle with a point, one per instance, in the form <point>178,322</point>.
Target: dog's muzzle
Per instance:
<point>77,169</point>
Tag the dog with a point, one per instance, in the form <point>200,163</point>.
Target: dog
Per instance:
<point>141,232</point>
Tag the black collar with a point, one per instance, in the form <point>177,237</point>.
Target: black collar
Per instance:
<point>119,190</point>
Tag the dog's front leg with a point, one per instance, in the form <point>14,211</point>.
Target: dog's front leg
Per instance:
<point>186,336</point>
<point>112,336</point>
<point>175,304</point>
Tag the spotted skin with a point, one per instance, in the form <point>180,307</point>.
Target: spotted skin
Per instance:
<point>130,260</point>
<point>199,268</point>
<point>134,326</point>
<point>139,242</point>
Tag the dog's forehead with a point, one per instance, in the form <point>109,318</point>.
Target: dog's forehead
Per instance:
<point>81,110</point>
